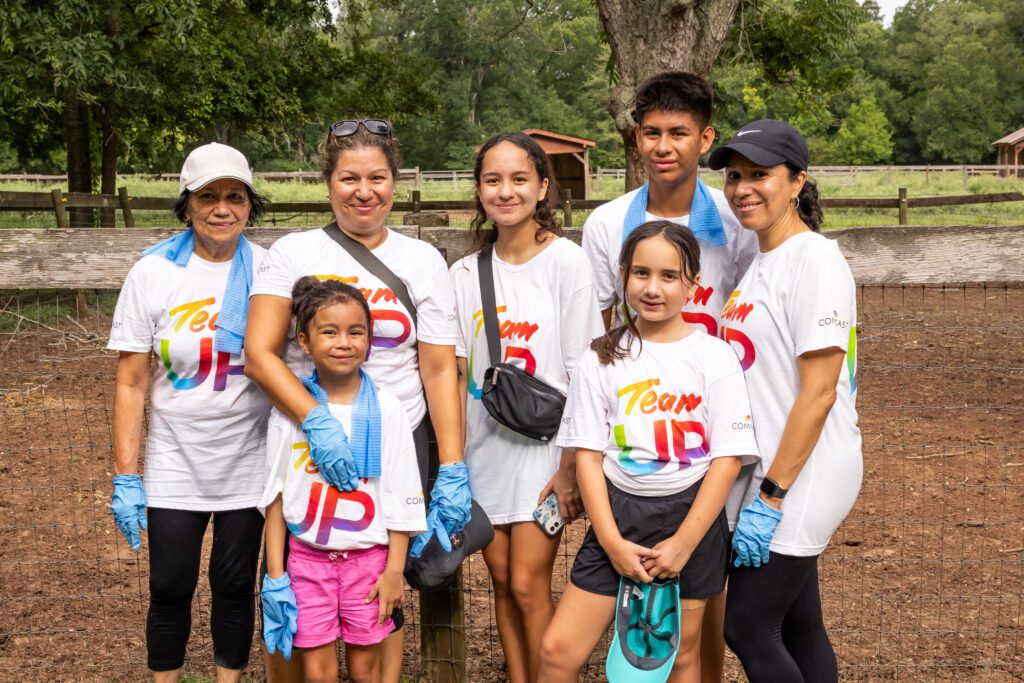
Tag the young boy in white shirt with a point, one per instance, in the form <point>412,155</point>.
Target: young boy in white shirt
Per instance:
<point>673,130</point>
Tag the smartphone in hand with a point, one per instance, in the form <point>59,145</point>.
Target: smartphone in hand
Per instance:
<point>547,515</point>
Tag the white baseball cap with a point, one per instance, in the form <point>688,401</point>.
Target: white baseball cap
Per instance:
<point>213,162</point>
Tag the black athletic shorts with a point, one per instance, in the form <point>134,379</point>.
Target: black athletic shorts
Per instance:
<point>648,521</point>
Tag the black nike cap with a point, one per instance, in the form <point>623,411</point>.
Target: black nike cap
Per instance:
<point>767,142</point>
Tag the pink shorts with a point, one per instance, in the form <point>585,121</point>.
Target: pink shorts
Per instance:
<point>330,591</point>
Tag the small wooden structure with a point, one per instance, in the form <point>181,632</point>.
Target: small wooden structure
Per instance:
<point>1010,151</point>
<point>571,158</point>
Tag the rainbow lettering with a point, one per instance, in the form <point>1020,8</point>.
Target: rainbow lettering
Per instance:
<point>507,329</point>
<point>650,400</point>
<point>734,310</point>
<point>328,520</point>
<point>193,314</point>
<point>383,336</point>
<point>732,335</point>
<point>205,362</point>
<point>851,359</point>
<point>701,296</point>
<point>680,454</point>
<point>193,317</point>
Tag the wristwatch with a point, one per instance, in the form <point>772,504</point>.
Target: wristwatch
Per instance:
<point>771,489</point>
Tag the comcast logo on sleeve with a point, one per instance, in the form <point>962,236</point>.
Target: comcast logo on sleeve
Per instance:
<point>745,424</point>
<point>834,319</point>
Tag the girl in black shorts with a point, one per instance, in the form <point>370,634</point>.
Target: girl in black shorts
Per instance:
<point>658,413</point>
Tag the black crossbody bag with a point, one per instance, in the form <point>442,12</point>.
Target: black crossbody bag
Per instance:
<point>514,398</point>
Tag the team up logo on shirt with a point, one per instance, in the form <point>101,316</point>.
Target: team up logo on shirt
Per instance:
<point>642,397</point>
<point>512,330</point>
<point>701,298</point>
<point>333,516</point>
<point>195,317</point>
<point>738,311</point>
<point>391,327</point>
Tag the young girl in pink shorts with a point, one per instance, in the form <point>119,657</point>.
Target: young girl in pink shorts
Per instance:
<point>347,549</point>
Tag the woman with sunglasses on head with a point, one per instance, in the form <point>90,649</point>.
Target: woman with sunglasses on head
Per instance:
<point>184,302</point>
<point>792,321</point>
<point>413,351</point>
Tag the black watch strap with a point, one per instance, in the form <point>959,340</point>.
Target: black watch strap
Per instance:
<point>771,489</point>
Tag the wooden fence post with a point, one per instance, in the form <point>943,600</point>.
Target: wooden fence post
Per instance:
<point>443,633</point>
<point>442,614</point>
<point>415,201</point>
<point>58,209</point>
<point>567,208</point>
<point>903,206</point>
<point>126,207</point>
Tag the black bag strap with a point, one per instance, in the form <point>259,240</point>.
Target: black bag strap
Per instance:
<point>367,260</point>
<point>489,305</point>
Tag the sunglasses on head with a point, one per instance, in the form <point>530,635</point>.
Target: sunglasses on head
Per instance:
<point>342,129</point>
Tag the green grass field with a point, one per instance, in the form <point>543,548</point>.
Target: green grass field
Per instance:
<point>859,184</point>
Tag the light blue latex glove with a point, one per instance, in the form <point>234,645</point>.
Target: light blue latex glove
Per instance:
<point>129,506</point>
<point>280,614</point>
<point>450,507</point>
<point>754,531</point>
<point>328,449</point>
<point>434,528</point>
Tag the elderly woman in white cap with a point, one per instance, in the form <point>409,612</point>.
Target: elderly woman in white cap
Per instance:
<point>185,302</point>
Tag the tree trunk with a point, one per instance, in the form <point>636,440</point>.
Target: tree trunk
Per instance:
<point>109,120</point>
<point>76,125</point>
<point>650,36</point>
<point>108,162</point>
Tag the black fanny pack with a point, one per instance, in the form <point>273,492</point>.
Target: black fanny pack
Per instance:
<point>512,397</point>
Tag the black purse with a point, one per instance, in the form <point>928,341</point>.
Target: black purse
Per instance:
<point>512,397</point>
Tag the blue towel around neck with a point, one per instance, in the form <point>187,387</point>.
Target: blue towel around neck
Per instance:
<point>234,305</point>
<point>364,444</point>
<point>705,222</point>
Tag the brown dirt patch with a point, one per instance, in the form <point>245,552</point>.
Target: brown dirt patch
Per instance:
<point>924,581</point>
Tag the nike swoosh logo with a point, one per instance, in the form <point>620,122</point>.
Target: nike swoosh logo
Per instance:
<point>744,132</point>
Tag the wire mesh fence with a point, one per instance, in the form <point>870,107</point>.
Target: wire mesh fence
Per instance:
<point>924,581</point>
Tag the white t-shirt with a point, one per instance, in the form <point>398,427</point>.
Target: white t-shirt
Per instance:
<point>393,363</point>
<point>324,517</point>
<point>800,297</point>
<point>721,267</point>
<point>661,415</point>
<point>207,421</point>
<point>547,316</point>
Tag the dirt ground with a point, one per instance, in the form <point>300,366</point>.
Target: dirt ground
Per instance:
<point>924,581</point>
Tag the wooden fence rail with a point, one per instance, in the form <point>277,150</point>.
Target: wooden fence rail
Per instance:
<point>60,202</point>
<point>461,175</point>
<point>47,258</point>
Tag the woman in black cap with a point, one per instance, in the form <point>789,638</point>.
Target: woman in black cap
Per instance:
<point>792,322</point>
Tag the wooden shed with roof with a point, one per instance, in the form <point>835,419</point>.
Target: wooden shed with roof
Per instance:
<point>571,158</point>
<point>1010,154</point>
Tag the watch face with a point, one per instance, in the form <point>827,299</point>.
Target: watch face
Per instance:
<point>773,490</point>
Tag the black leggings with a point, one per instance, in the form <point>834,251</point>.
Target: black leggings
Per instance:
<point>175,546</point>
<point>774,625</point>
